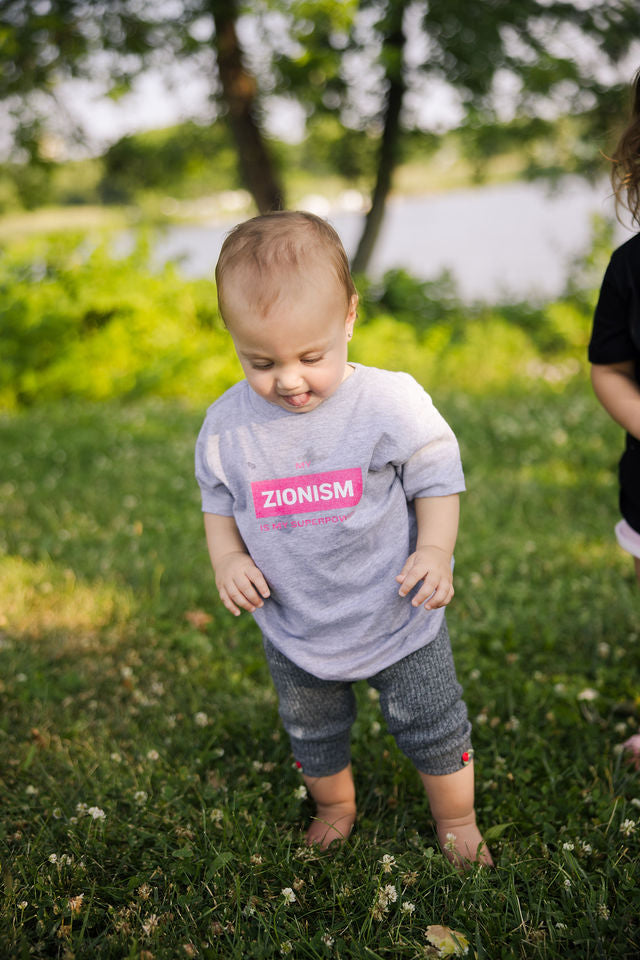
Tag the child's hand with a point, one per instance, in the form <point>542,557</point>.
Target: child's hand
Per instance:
<point>433,565</point>
<point>240,583</point>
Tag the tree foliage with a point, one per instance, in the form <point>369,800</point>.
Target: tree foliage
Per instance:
<point>374,64</point>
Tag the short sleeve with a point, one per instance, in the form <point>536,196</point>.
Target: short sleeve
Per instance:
<point>421,444</point>
<point>216,496</point>
<point>611,334</point>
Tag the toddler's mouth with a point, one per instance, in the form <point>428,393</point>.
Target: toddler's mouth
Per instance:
<point>297,399</point>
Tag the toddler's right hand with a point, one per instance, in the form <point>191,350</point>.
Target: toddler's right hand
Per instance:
<point>240,583</point>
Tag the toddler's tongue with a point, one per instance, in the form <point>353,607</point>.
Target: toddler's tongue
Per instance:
<point>298,399</point>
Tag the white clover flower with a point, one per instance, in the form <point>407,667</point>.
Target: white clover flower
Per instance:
<point>474,674</point>
<point>603,911</point>
<point>627,827</point>
<point>300,793</point>
<point>382,904</point>
<point>327,940</point>
<point>141,796</point>
<point>388,863</point>
<point>151,923</point>
<point>200,719</point>
<point>635,802</point>
<point>286,947</point>
<point>561,926</point>
<point>586,847</point>
<point>65,860</point>
<point>375,728</point>
<point>53,858</point>
<point>81,809</point>
<point>391,893</point>
<point>567,883</point>
<point>568,845</point>
<point>97,813</point>
<point>75,903</point>
<point>153,755</point>
<point>216,815</point>
<point>289,895</point>
<point>56,813</point>
<point>408,907</point>
<point>23,905</point>
<point>588,694</point>
<point>603,650</point>
<point>31,791</point>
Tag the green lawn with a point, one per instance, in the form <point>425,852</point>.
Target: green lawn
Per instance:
<point>150,807</point>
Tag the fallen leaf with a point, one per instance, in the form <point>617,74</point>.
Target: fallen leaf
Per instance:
<point>450,943</point>
<point>199,619</point>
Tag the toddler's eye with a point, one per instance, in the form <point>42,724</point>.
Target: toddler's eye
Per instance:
<point>261,366</point>
<point>311,359</point>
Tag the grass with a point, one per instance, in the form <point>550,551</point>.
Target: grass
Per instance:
<point>150,805</point>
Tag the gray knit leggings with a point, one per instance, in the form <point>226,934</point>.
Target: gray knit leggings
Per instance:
<point>420,699</point>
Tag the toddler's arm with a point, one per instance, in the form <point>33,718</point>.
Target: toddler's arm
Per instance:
<point>240,583</point>
<point>437,531</point>
<point>617,390</point>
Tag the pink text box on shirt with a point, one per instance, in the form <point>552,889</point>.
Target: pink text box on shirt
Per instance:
<point>310,493</point>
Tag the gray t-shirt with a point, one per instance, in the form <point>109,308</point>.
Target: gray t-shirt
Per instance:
<point>322,501</point>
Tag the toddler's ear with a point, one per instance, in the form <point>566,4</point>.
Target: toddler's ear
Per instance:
<point>351,315</point>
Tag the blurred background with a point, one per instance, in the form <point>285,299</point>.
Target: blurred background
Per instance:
<point>465,146</point>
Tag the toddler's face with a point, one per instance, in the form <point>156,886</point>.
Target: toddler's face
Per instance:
<point>294,354</point>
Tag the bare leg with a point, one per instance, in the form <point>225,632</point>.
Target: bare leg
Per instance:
<point>335,798</point>
<point>451,801</point>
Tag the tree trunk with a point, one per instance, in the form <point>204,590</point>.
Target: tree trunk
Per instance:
<point>239,94</point>
<point>393,54</point>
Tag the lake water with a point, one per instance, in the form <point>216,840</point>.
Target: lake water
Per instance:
<point>499,242</point>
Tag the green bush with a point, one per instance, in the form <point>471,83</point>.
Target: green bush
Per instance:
<point>184,161</point>
<point>79,321</point>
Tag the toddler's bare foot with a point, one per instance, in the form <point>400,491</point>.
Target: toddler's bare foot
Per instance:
<point>335,799</point>
<point>332,823</point>
<point>462,843</point>
<point>631,750</point>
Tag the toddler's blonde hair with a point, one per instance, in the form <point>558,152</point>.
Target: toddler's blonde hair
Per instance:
<point>274,246</point>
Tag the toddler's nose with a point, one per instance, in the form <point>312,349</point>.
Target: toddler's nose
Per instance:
<point>289,379</point>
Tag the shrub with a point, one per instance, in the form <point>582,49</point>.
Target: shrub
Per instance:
<point>78,320</point>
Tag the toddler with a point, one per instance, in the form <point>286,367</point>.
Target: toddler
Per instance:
<point>330,499</point>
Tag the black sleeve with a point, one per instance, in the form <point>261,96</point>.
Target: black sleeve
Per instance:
<point>611,334</point>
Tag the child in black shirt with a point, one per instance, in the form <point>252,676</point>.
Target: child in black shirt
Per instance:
<point>614,350</point>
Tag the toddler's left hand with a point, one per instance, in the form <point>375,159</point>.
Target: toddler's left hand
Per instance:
<point>433,565</point>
